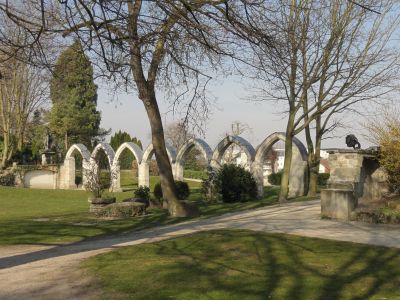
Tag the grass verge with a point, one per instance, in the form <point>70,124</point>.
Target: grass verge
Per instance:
<point>228,264</point>
<point>32,216</point>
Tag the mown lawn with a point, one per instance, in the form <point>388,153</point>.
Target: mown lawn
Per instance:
<point>130,182</point>
<point>31,216</point>
<point>228,264</point>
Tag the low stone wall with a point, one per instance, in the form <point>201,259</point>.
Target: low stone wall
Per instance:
<point>39,177</point>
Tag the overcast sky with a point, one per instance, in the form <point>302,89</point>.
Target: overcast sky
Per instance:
<point>127,114</point>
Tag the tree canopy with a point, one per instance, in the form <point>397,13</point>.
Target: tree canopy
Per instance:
<point>74,117</point>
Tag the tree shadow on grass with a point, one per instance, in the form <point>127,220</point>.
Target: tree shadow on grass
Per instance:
<point>262,266</point>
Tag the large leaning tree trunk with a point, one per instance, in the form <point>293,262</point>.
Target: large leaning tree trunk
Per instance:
<point>146,91</point>
<point>163,162</point>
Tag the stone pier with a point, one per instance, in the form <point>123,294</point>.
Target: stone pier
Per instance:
<point>356,178</point>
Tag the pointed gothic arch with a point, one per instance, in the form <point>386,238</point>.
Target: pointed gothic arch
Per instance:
<point>229,140</point>
<point>199,144</point>
<point>298,178</point>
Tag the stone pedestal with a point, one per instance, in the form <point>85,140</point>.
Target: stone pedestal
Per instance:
<point>355,177</point>
<point>337,203</point>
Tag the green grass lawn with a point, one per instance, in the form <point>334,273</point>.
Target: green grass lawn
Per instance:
<point>247,265</point>
<point>32,216</point>
<point>128,181</point>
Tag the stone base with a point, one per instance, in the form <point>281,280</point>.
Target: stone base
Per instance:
<point>337,203</point>
<point>98,204</point>
<point>122,210</point>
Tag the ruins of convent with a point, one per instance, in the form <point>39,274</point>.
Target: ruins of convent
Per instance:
<point>355,174</point>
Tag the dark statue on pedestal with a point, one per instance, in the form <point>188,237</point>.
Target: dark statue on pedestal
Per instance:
<point>48,153</point>
<point>352,141</point>
<point>48,141</point>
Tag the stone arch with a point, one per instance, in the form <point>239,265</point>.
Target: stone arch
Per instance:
<point>225,143</point>
<point>149,151</point>
<point>108,150</point>
<point>68,169</point>
<point>144,176</point>
<point>201,145</point>
<point>81,149</point>
<point>136,151</point>
<point>299,167</point>
<point>110,154</point>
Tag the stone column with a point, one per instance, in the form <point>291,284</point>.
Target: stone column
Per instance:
<point>177,169</point>
<point>144,175</point>
<point>67,174</point>
<point>258,174</point>
<point>116,178</point>
<point>44,159</point>
<point>86,167</point>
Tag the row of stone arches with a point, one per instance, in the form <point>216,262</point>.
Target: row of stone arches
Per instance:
<point>214,159</point>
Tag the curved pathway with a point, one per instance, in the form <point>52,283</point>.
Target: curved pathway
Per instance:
<point>38,272</point>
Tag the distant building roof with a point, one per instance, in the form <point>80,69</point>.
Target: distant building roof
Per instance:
<point>325,163</point>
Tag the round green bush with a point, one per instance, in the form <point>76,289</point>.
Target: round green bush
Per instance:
<point>157,191</point>
<point>7,179</point>
<point>323,179</point>
<point>275,178</point>
<point>235,184</point>
<point>142,192</point>
<point>182,190</point>
<point>105,180</point>
<point>78,180</point>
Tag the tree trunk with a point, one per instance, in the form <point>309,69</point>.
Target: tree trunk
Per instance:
<point>284,192</point>
<point>175,208</point>
<point>311,190</point>
<point>314,167</point>
<point>65,142</point>
<point>4,154</point>
<point>146,89</point>
<point>6,150</point>
<point>20,141</point>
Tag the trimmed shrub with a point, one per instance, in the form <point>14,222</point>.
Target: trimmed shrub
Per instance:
<point>323,179</point>
<point>275,178</point>
<point>182,190</point>
<point>78,180</point>
<point>235,184</point>
<point>157,191</point>
<point>7,179</point>
<point>142,192</point>
<point>105,180</point>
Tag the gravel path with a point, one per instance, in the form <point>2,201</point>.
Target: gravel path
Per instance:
<point>43,272</point>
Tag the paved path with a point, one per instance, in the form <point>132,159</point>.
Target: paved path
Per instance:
<point>37,272</point>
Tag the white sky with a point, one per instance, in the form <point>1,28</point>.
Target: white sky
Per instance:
<point>127,114</point>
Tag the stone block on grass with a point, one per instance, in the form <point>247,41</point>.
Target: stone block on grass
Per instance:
<point>122,210</point>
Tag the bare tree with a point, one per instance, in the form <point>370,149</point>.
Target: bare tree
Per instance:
<point>326,57</point>
<point>145,45</point>
<point>176,135</point>
<point>22,91</point>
